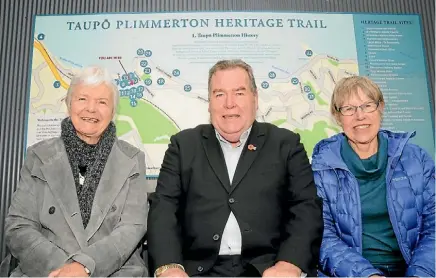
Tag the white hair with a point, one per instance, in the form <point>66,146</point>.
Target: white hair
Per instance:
<point>93,76</point>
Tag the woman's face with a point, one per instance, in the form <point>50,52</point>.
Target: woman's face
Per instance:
<point>362,127</point>
<point>91,111</point>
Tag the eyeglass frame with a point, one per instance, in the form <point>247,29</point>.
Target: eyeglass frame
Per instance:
<point>377,103</point>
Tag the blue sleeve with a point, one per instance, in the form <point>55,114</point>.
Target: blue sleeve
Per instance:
<point>336,257</point>
<point>422,263</point>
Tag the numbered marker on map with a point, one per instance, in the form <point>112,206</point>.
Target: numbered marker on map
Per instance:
<point>187,88</point>
<point>140,51</point>
<point>148,81</point>
<point>176,72</point>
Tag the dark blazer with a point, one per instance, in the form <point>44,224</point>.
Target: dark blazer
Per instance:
<point>272,196</point>
<point>44,226</point>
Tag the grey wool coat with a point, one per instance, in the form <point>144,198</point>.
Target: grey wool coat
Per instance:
<point>44,227</point>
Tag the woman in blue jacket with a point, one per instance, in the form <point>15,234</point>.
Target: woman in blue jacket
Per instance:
<point>378,191</point>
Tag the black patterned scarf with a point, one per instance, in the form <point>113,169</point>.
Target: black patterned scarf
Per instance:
<point>89,159</point>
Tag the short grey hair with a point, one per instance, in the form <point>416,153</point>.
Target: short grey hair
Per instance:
<point>231,64</point>
<point>347,86</point>
<point>94,76</point>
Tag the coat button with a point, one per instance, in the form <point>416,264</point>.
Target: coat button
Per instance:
<point>51,210</point>
<point>216,237</point>
<point>113,208</point>
<point>200,268</point>
<point>231,200</point>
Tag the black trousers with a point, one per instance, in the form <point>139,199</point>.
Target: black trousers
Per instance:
<point>231,266</point>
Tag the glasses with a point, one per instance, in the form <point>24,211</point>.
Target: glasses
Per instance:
<point>350,110</point>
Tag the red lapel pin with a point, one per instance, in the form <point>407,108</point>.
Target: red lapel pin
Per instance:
<point>252,147</point>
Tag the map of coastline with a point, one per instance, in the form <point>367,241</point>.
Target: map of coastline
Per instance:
<point>163,87</point>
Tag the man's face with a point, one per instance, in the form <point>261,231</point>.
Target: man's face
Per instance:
<point>232,104</point>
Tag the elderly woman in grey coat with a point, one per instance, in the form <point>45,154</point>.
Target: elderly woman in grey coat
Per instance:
<point>80,208</point>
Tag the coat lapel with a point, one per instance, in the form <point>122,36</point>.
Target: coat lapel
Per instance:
<point>57,172</point>
<point>117,170</point>
<point>215,156</point>
<point>256,139</point>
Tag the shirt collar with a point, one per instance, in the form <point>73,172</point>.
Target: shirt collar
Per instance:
<point>242,139</point>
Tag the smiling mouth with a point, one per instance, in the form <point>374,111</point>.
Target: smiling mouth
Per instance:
<point>230,117</point>
<point>361,126</point>
<point>90,120</point>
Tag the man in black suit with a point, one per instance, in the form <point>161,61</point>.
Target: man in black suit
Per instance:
<point>235,197</point>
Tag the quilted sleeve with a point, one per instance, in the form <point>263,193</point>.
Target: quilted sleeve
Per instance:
<point>422,263</point>
<point>336,257</point>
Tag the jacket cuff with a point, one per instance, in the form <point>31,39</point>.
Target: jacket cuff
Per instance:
<point>261,267</point>
<point>371,271</point>
<point>417,272</point>
<point>84,260</point>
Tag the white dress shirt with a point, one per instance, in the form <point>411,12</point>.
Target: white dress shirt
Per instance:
<point>231,239</point>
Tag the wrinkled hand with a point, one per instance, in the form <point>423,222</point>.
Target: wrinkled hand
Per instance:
<point>74,269</point>
<point>174,272</point>
<point>282,269</point>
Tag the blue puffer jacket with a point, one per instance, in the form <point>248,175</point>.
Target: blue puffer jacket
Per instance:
<point>410,180</point>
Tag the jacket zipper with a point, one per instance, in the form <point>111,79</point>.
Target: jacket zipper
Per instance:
<point>392,213</point>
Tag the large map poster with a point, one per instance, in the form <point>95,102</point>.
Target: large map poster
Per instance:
<point>160,62</point>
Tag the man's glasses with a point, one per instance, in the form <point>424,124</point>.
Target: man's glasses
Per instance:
<point>350,110</point>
